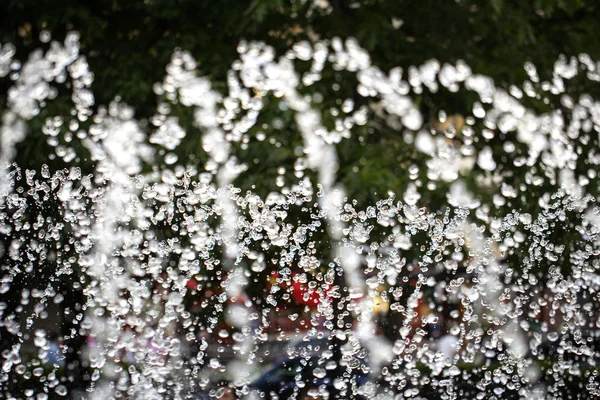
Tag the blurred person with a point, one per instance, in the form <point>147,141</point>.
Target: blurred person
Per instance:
<point>54,354</point>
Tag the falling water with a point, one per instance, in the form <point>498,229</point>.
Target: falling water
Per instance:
<point>130,236</point>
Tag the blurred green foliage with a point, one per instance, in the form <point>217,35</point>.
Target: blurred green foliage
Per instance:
<point>129,43</point>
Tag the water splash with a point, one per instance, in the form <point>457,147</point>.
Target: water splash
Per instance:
<point>164,255</point>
